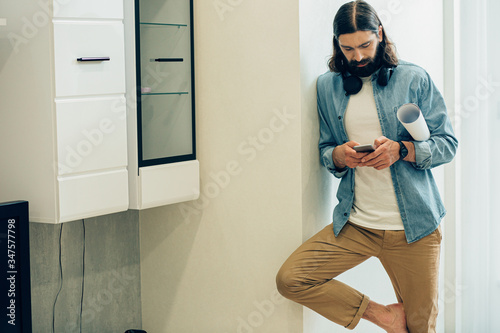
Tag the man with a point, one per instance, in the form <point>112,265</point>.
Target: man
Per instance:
<point>389,206</point>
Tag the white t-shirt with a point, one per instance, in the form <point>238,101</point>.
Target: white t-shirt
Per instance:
<point>375,205</point>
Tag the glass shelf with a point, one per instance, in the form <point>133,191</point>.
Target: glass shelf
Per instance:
<point>168,93</point>
<point>164,24</point>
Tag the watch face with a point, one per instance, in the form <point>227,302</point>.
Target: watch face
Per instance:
<point>403,151</point>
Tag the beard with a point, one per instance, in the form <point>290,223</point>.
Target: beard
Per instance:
<point>372,65</point>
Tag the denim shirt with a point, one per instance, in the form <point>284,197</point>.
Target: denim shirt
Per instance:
<point>417,195</point>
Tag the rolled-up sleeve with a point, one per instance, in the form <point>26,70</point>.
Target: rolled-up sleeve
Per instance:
<point>327,161</point>
<point>441,147</point>
<point>423,155</point>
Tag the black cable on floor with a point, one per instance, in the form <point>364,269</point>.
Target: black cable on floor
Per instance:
<point>60,278</point>
<point>83,275</point>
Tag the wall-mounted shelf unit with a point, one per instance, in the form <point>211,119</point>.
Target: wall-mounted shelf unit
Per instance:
<point>162,144</point>
<point>64,126</point>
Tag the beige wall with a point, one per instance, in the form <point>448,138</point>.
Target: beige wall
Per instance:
<point>210,265</point>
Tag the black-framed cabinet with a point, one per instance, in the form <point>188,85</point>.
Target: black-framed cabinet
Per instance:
<point>165,81</point>
<point>162,161</point>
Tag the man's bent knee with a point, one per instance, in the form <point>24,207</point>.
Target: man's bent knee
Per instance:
<point>289,284</point>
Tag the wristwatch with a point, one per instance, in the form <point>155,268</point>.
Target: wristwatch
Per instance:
<point>403,151</point>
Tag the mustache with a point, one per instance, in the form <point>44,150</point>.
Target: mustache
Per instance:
<point>362,62</point>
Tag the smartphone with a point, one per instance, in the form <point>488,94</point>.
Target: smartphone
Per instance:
<point>364,148</point>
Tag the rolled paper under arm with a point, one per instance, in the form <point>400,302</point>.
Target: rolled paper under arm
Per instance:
<point>412,119</point>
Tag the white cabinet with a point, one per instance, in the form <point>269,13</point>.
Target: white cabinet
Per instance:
<point>63,109</point>
<point>163,168</point>
<point>90,134</point>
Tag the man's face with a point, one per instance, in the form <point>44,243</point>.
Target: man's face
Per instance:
<point>360,50</point>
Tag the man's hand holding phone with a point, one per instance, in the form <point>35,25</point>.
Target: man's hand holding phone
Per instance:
<point>385,154</point>
<point>382,154</point>
<point>346,156</point>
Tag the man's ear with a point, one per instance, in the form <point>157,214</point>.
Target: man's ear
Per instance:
<point>380,33</point>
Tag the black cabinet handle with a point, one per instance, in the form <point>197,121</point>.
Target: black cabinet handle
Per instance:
<point>169,59</point>
<point>87,59</point>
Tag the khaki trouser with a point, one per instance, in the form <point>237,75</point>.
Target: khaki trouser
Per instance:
<point>307,275</point>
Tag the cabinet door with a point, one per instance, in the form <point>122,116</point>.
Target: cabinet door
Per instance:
<point>91,134</point>
<point>112,9</point>
<point>93,194</point>
<point>89,58</point>
<point>165,80</point>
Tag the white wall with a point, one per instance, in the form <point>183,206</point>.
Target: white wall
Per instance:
<point>210,265</point>
<point>318,185</point>
<point>416,41</point>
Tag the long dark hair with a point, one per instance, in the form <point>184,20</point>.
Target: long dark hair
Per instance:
<point>359,16</point>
